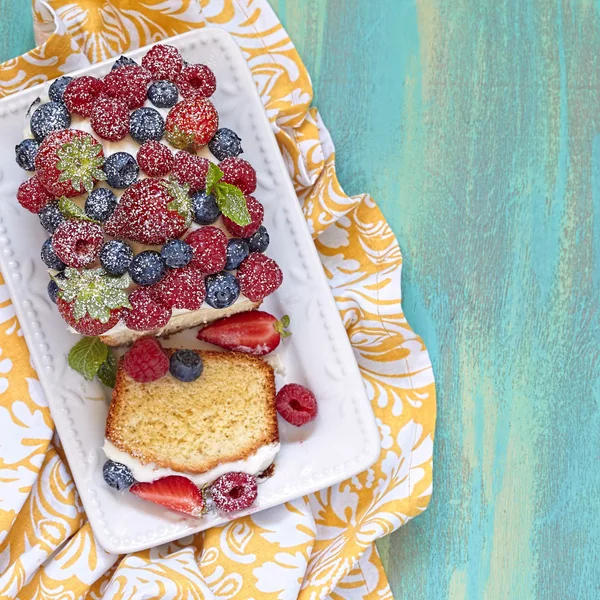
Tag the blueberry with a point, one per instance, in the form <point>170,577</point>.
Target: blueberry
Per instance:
<point>147,268</point>
<point>146,124</point>
<point>204,208</point>
<point>176,254</point>
<point>115,257</point>
<point>121,170</point>
<point>222,290</point>
<point>47,118</point>
<point>117,475</point>
<point>49,256</point>
<point>123,61</point>
<point>225,144</point>
<point>259,242</point>
<point>185,365</point>
<point>100,204</point>
<point>26,152</point>
<point>163,94</point>
<point>237,251</point>
<point>53,290</point>
<point>51,217</point>
<point>57,89</point>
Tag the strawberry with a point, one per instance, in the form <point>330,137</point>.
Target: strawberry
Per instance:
<point>256,332</point>
<point>191,123</point>
<point>175,492</point>
<point>86,325</point>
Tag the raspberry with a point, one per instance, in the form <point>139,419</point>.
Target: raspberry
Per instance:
<point>197,80</point>
<point>191,123</point>
<point>163,62</point>
<point>234,491</point>
<point>147,313</point>
<point>210,249</point>
<point>257,212</point>
<point>296,404</point>
<point>86,325</point>
<point>33,196</point>
<point>239,172</point>
<point>146,361</point>
<point>191,169</point>
<point>155,159</point>
<point>77,243</point>
<point>128,84</point>
<point>110,119</point>
<point>259,276</point>
<point>81,94</point>
<point>181,288</point>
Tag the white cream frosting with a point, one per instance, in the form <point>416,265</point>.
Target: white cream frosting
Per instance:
<point>253,465</point>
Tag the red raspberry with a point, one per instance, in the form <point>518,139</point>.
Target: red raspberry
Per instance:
<point>33,196</point>
<point>77,243</point>
<point>210,249</point>
<point>128,84</point>
<point>239,172</point>
<point>181,288</point>
<point>197,80</point>
<point>257,212</point>
<point>234,491</point>
<point>110,119</point>
<point>191,169</point>
<point>259,276</point>
<point>147,313</point>
<point>86,325</point>
<point>163,62</point>
<point>296,404</point>
<point>155,159</point>
<point>146,360</point>
<point>191,123</point>
<point>81,95</point>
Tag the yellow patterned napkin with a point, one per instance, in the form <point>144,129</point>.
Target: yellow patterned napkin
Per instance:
<point>316,547</point>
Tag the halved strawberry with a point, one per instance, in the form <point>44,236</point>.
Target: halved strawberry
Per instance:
<point>175,492</point>
<point>256,332</point>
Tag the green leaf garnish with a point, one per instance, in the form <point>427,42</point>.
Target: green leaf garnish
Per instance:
<point>230,199</point>
<point>213,177</point>
<point>282,325</point>
<point>87,356</point>
<point>80,162</point>
<point>107,373</point>
<point>181,203</point>
<point>72,210</point>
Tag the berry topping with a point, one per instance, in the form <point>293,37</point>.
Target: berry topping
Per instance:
<point>257,213</point>
<point>234,491</point>
<point>155,159</point>
<point>205,210</point>
<point>163,62</point>
<point>296,404</point>
<point>58,87</point>
<point>146,124</point>
<point>254,332</point>
<point>239,172</point>
<point>210,249</point>
<point>123,61</point>
<point>115,257</point>
<point>47,118</point>
<point>100,204</point>
<point>146,361</point>
<point>176,254</point>
<point>259,242</point>
<point>110,119</point>
<point>117,475</point>
<point>222,290</point>
<point>225,144</point>
<point>259,276</point>
<point>151,211</point>
<point>128,84</point>
<point>53,290</point>
<point>181,288</point>
<point>147,268</point>
<point>191,123</point>
<point>191,169</point>
<point>175,492</point>
<point>121,170</point>
<point>77,243</point>
<point>26,152</point>
<point>81,94</point>
<point>86,325</point>
<point>32,195</point>
<point>147,313</point>
<point>163,94</point>
<point>185,365</point>
<point>51,217</point>
<point>49,257</point>
<point>237,251</point>
<point>197,80</point>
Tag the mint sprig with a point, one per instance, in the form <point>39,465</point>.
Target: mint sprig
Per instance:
<point>87,356</point>
<point>71,210</point>
<point>230,199</point>
<point>107,373</point>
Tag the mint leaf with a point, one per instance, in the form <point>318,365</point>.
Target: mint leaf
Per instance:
<point>213,177</point>
<point>71,210</point>
<point>181,203</point>
<point>87,356</point>
<point>107,373</point>
<point>232,203</point>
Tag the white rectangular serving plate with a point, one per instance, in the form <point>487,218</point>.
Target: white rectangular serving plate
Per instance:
<point>340,443</point>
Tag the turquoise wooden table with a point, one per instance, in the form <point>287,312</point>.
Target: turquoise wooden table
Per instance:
<point>475,126</point>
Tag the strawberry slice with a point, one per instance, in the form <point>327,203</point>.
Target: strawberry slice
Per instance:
<point>175,492</point>
<point>255,332</point>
